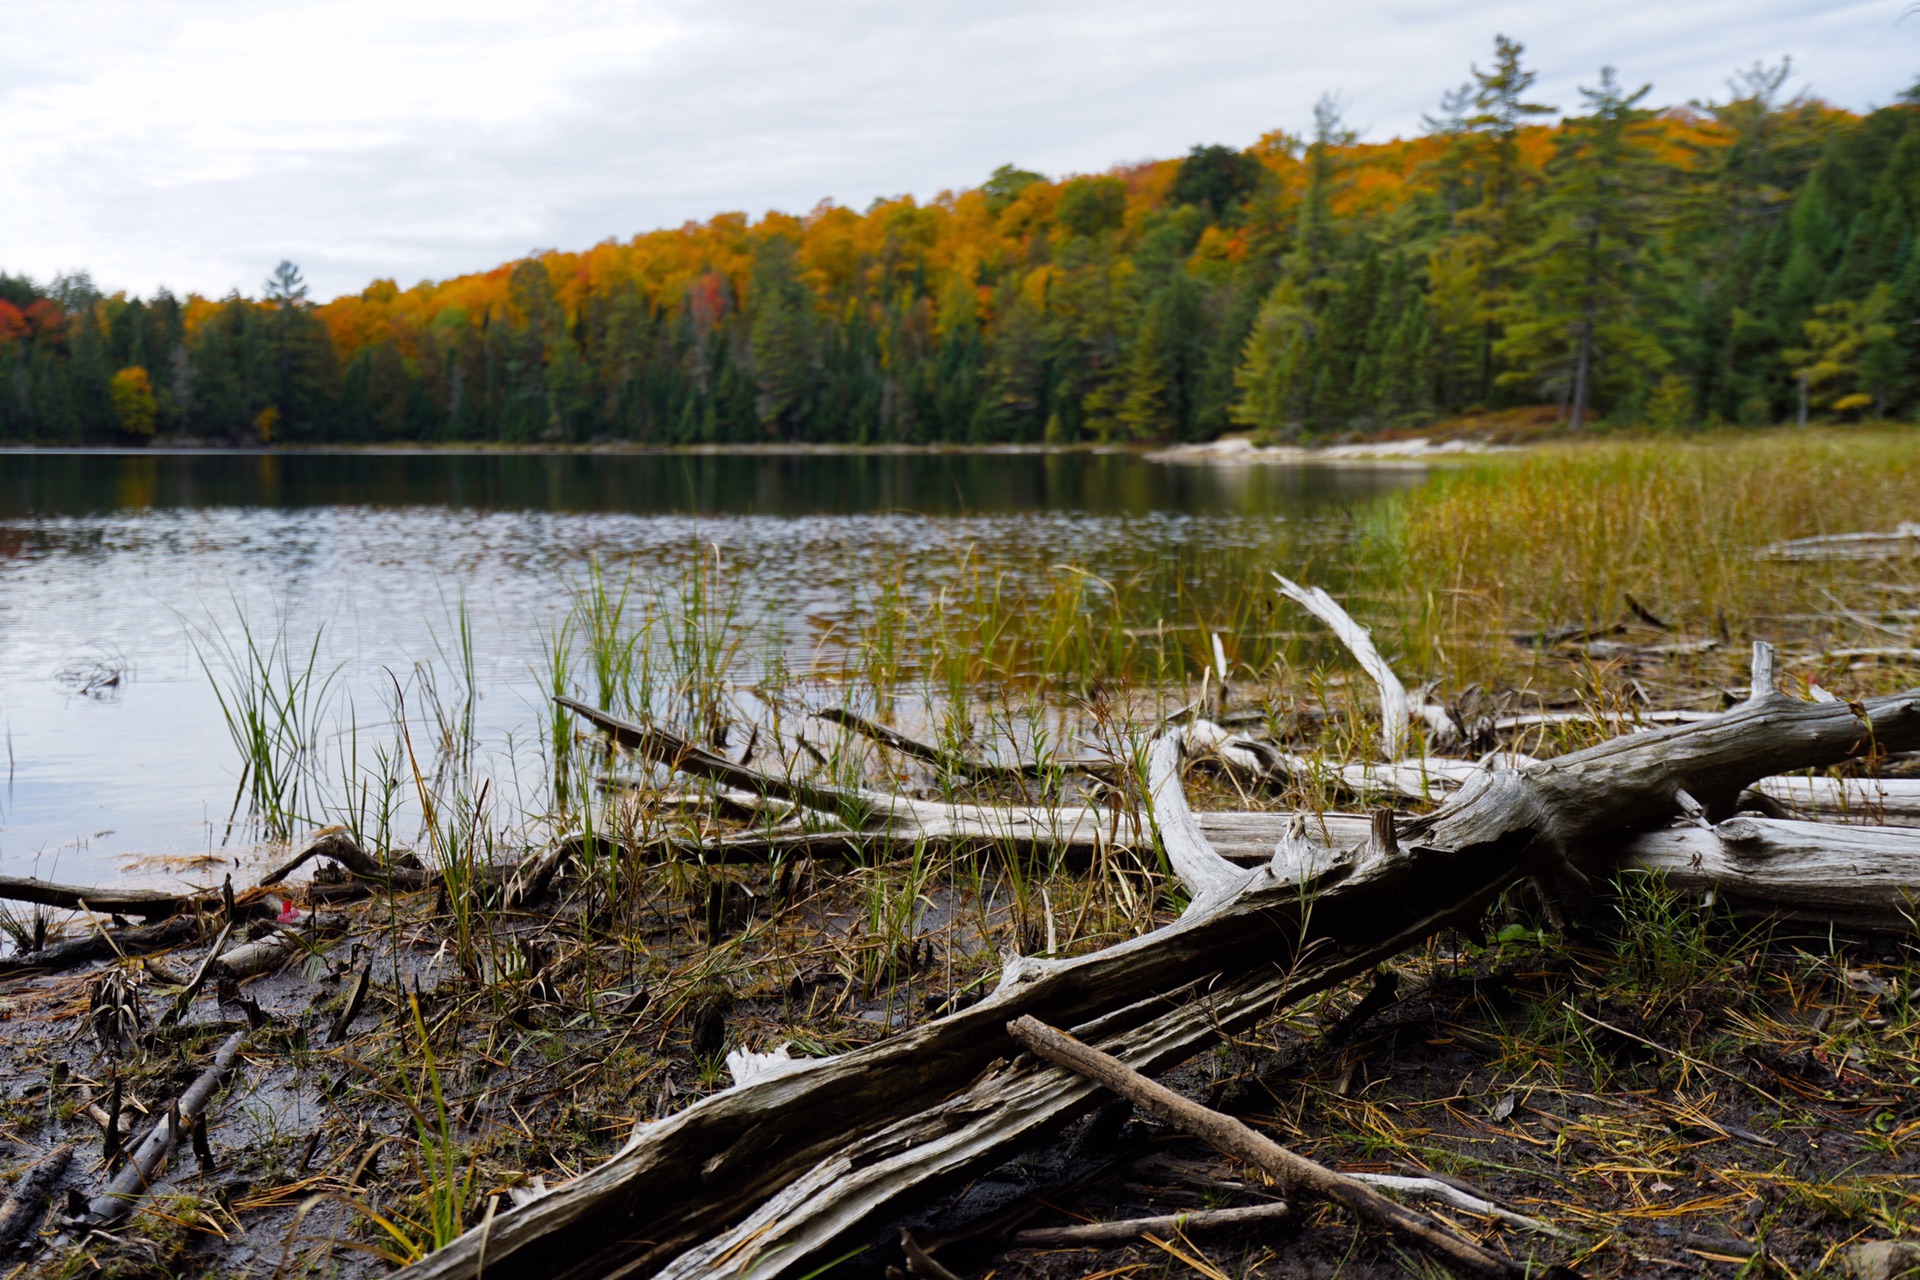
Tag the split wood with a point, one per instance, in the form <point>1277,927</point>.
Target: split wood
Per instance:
<point>1294,1172</point>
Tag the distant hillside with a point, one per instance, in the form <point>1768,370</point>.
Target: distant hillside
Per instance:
<point>1748,261</point>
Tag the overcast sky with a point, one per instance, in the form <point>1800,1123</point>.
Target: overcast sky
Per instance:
<point>194,143</point>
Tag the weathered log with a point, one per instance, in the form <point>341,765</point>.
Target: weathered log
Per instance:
<point>22,1208</point>
<point>149,904</point>
<point>102,945</point>
<point>266,954</point>
<point>1618,723</point>
<point>133,1181</point>
<point>1860,879</point>
<point>1887,802</point>
<point>685,1180</point>
<point>884,1175</point>
<point>1295,1173</point>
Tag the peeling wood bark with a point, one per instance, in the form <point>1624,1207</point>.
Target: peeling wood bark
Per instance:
<point>1861,879</point>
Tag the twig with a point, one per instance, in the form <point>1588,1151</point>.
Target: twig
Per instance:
<point>1294,1172</point>
<point>1675,1053</point>
<point>352,1009</point>
<point>1091,1234</point>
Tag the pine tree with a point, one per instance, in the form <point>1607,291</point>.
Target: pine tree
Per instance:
<point>1492,231</point>
<point>1579,321</point>
<point>781,339</point>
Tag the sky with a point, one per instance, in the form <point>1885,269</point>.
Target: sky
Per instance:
<point>193,144</point>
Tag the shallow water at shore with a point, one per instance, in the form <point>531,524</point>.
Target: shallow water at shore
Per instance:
<point>122,562</point>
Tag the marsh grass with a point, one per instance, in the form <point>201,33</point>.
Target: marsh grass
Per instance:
<point>274,696</point>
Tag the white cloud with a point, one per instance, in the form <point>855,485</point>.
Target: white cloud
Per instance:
<point>193,143</point>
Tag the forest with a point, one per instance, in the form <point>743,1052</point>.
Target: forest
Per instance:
<point>1747,261</point>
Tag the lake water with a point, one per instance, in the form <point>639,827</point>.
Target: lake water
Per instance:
<point>148,564</point>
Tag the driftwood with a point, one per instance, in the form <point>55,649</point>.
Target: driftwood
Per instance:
<point>104,944</point>
<point>1295,1173</point>
<point>772,1174</point>
<point>133,1181</point>
<point>22,1208</point>
<point>955,764</point>
<point>149,904</point>
<point>1904,539</point>
<point>1095,1235</point>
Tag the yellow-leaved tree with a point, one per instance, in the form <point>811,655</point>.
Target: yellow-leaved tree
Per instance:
<point>133,402</point>
<point>1842,337</point>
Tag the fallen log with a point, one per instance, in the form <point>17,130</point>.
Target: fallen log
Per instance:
<point>22,1208</point>
<point>1294,1172</point>
<point>1859,879</point>
<point>104,944</point>
<point>149,904</point>
<point>1887,802</point>
<point>777,1146</point>
<point>134,1180</point>
<point>266,954</point>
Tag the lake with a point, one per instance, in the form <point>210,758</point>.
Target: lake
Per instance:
<point>129,581</point>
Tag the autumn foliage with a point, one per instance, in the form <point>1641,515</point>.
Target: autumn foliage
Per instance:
<point>1731,261</point>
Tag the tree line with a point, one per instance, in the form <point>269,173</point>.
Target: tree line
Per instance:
<point>1749,261</point>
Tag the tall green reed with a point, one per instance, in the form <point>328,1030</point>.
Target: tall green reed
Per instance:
<point>273,695</point>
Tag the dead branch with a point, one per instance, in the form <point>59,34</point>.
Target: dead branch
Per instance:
<point>956,765</point>
<point>149,904</point>
<point>1294,1172</point>
<point>335,844</point>
<point>1094,1235</point>
<point>1862,879</point>
<point>133,1181</point>
<point>102,944</point>
<point>1397,710</point>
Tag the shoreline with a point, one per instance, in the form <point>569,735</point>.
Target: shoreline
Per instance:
<point>1234,451</point>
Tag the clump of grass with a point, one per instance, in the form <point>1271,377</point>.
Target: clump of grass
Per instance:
<point>274,696</point>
